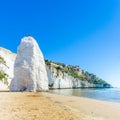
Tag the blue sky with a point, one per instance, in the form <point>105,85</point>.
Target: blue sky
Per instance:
<point>76,32</point>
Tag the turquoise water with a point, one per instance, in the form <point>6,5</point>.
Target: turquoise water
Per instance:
<point>107,94</point>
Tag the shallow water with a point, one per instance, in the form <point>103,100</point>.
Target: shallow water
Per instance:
<point>107,94</point>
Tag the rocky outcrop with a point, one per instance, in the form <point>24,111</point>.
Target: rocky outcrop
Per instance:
<point>29,69</point>
<point>7,59</point>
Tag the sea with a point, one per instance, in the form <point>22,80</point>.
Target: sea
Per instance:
<point>105,94</point>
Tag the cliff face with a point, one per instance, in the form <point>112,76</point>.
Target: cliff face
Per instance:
<point>29,68</point>
<point>59,79</point>
<point>67,76</point>
<point>59,75</point>
<point>7,59</point>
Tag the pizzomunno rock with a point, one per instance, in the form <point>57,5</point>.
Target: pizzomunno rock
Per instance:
<point>29,68</point>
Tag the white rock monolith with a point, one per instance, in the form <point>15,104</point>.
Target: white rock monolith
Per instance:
<point>29,68</point>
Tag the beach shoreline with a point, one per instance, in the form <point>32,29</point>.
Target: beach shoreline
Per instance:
<point>47,106</point>
<point>87,108</point>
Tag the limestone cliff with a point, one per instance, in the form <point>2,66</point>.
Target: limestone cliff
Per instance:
<point>59,75</point>
<point>67,76</point>
<point>7,59</point>
<point>29,68</point>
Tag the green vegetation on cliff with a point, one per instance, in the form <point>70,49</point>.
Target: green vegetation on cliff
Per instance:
<point>3,77</point>
<point>2,60</point>
<point>77,73</point>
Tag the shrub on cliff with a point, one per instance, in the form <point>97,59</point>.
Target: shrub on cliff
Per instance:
<point>3,76</point>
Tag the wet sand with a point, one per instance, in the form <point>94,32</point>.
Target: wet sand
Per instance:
<point>88,109</point>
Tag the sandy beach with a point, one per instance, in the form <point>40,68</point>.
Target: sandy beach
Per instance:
<point>31,106</point>
<point>47,106</point>
<point>88,109</point>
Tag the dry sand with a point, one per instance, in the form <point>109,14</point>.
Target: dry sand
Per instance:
<point>46,106</point>
<point>31,106</point>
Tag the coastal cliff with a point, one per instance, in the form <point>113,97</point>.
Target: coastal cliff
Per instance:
<point>7,59</point>
<point>67,76</point>
<point>59,75</point>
